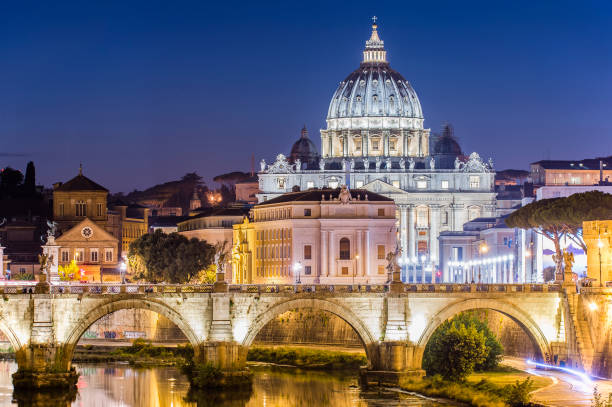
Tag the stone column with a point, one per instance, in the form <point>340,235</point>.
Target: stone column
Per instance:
<point>385,143</point>
<point>366,254</point>
<point>434,230</point>
<point>404,229</point>
<point>345,151</point>
<point>359,247</point>
<point>411,231</point>
<point>323,254</point>
<point>365,141</point>
<point>331,255</point>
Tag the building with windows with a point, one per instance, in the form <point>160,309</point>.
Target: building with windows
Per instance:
<point>561,172</point>
<point>78,199</point>
<point>326,236</point>
<point>213,225</point>
<point>94,250</point>
<point>375,140</point>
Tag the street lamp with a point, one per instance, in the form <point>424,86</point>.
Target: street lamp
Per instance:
<point>297,267</point>
<point>123,268</point>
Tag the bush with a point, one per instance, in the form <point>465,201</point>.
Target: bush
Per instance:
<point>454,350</point>
<point>307,358</point>
<point>441,356</point>
<point>518,394</point>
<point>598,401</point>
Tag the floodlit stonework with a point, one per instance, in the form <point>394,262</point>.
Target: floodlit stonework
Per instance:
<point>375,140</point>
<point>221,323</point>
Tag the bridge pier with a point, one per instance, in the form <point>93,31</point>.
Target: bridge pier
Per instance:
<point>44,366</point>
<point>227,358</point>
<point>393,362</point>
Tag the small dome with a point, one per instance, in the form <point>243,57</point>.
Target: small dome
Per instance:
<point>305,150</point>
<point>447,144</point>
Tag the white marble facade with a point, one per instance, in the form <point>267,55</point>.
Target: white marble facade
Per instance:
<point>375,140</point>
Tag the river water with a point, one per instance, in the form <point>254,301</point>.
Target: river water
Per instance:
<point>122,386</point>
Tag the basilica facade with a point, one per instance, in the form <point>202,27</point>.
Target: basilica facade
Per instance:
<point>375,140</point>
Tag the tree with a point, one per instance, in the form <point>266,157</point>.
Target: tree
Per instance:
<point>495,350</point>
<point>29,183</point>
<point>170,258</point>
<point>578,208</point>
<point>541,216</point>
<point>10,181</point>
<point>69,272</point>
<point>454,350</point>
<point>559,217</point>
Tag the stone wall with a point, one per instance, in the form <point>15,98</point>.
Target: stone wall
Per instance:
<point>133,323</point>
<point>307,326</point>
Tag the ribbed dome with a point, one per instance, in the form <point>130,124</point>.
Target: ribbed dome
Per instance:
<point>305,150</point>
<point>375,90</point>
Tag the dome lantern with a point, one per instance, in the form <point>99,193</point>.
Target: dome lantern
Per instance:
<point>375,47</point>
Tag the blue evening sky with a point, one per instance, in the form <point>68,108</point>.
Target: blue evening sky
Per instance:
<point>143,92</point>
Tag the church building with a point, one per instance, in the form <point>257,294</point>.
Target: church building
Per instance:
<point>375,140</point>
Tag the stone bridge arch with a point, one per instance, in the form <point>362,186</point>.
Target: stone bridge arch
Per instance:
<point>519,316</point>
<point>98,311</point>
<point>339,310</point>
<point>12,337</point>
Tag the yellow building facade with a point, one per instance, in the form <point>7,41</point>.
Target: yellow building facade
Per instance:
<point>78,199</point>
<point>597,235</point>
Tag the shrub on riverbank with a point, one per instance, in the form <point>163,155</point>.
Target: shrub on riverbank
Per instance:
<point>460,346</point>
<point>480,394</point>
<point>141,352</point>
<point>306,358</point>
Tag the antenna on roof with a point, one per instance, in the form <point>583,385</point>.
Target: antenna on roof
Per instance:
<point>81,168</point>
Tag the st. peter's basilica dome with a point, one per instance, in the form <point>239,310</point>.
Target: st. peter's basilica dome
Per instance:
<point>374,89</point>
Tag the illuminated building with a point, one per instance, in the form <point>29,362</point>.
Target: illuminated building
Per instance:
<point>597,235</point>
<point>326,236</point>
<point>375,140</point>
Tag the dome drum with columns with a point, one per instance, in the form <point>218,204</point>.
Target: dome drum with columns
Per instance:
<point>375,112</point>
<point>375,140</point>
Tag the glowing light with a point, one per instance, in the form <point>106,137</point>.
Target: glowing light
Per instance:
<point>585,378</point>
<point>599,243</point>
<point>592,306</point>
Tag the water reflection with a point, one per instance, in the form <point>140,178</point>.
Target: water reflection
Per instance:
<point>122,385</point>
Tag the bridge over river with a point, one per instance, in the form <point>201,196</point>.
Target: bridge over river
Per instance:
<point>394,321</point>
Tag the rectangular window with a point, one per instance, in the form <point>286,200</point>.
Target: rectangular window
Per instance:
<point>445,218</point>
<point>375,145</point>
<point>380,251</point>
<point>307,212</point>
<point>381,269</point>
<point>79,255</point>
<point>359,184</point>
<point>421,184</point>
<point>65,256</point>
<point>395,183</point>
<point>381,211</point>
<point>444,184</point>
<point>345,271</point>
<point>308,270</point>
<point>61,209</point>
<point>94,255</point>
<point>100,209</point>
<point>307,252</point>
<point>474,181</point>
<point>309,184</point>
<point>108,255</point>
<point>80,209</point>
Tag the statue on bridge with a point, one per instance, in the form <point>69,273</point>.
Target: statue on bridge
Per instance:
<point>568,261</point>
<point>222,256</point>
<point>393,267</point>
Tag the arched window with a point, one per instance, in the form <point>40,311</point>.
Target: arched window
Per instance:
<point>345,249</point>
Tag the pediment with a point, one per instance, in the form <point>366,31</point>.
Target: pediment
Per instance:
<point>74,234</point>
<point>381,187</point>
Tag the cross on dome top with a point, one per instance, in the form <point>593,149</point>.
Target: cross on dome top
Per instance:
<point>375,47</point>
